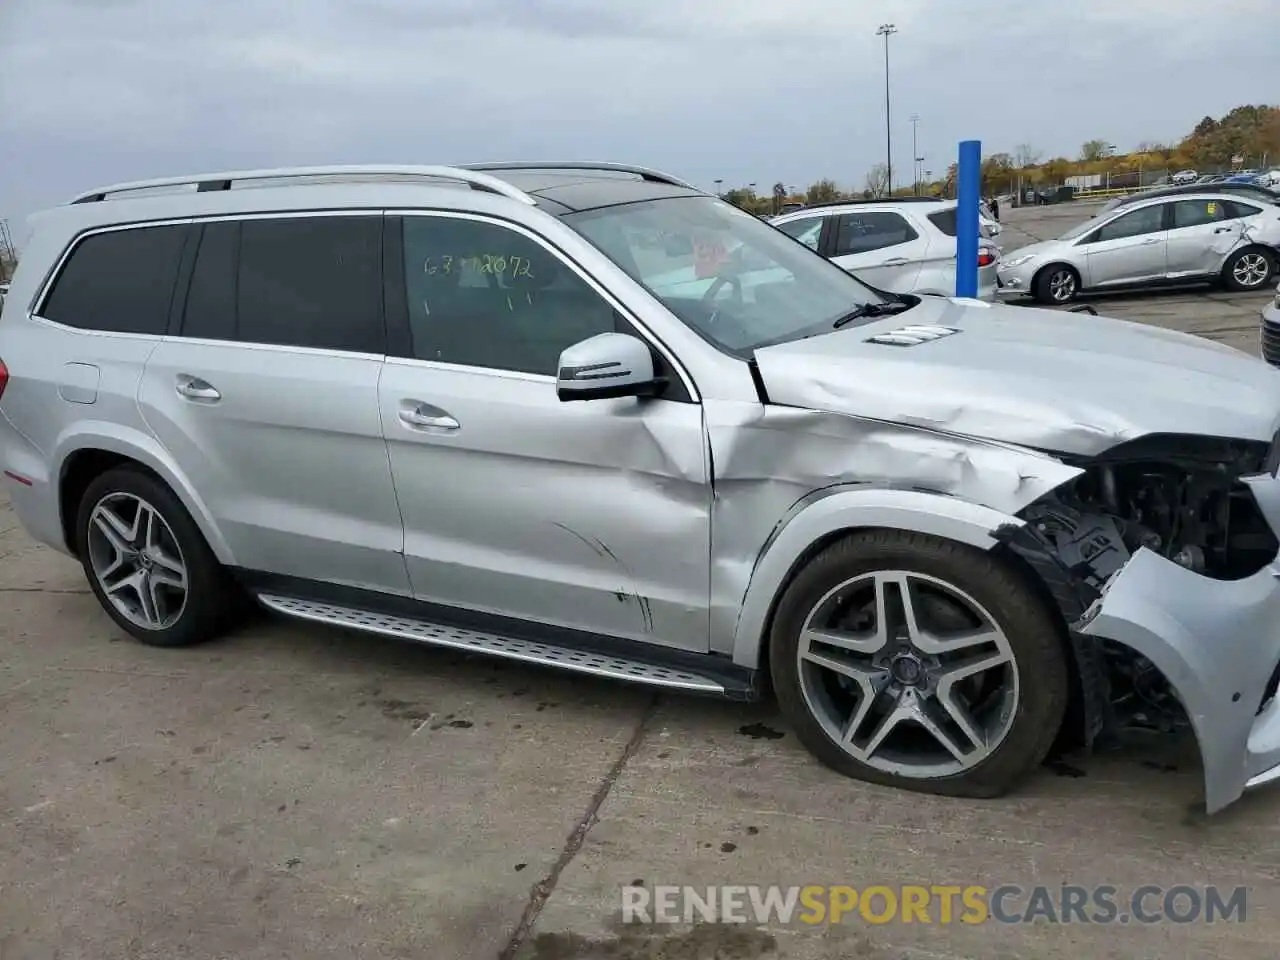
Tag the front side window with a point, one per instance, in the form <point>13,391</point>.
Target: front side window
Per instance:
<point>740,284</point>
<point>482,295</point>
<point>871,230</point>
<point>1147,220</point>
<point>807,230</point>
<point>292,281</point>
<point>120,281</point>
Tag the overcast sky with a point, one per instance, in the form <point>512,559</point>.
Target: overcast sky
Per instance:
<point>96,91</point>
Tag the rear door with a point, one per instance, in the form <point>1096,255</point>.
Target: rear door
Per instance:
<point>268,397</point>
<point>879,247</point>
<point>1129,249</point>
<point>1198,230</point>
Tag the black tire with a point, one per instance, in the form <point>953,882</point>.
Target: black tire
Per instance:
<point>1043,287</point>
<point>1032,630</point>
<point>212,599</point>
<point>1232,282</point>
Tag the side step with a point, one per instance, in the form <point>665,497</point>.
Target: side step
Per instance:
<point>477,641</point>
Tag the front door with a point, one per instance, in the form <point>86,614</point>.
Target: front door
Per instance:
<point>268,397</point>
<point>1129,249</point>
<point>879,247</point>
<point>588,516</point>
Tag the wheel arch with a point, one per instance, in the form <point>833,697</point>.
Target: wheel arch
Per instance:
<point>1035,277</point>
<point>1253,246</point>
<point>828,515</point>
<point>82,457</point>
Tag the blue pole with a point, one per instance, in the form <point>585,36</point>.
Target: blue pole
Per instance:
<point>968,188</point>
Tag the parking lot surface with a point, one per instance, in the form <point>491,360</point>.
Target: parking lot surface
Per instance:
<point>303,793</point>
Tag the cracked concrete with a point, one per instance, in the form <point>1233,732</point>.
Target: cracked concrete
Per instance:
<point>299,792</point>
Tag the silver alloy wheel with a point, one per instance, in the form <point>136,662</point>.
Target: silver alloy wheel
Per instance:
<point>1251,270</point>
<point>137,561</point>
<point>908,674</point>
<point>1062,285</point>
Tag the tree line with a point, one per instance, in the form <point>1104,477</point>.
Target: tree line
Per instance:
<point>1247,136</point>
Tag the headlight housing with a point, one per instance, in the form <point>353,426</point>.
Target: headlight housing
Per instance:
<point>1017,261</point>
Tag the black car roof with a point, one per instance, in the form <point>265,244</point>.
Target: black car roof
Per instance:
<point>1252,188</point>
<point>562,192</point>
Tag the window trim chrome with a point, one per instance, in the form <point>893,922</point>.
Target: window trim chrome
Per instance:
<point>647,334</point>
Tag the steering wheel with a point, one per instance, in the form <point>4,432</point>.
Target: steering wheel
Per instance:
<point>719,281</point>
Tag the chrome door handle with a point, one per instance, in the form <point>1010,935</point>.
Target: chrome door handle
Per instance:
<point>1150,241</point>
<point>893,262</point>
<point>423,416</point>
<point>193,388</point>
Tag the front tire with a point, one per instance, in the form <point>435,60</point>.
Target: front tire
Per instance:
<point>920,663</point>
<point>1056,285</point>
<point>1249,269</point>
<point>147,562</point>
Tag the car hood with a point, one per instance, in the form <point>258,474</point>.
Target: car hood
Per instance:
<point>1053,380</point>
<point>1033,250</point>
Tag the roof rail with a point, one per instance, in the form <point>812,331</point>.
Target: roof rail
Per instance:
<point>207,182</point>
<point>644,173</point>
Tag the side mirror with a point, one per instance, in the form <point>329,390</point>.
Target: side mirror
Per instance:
<point>607,365</point>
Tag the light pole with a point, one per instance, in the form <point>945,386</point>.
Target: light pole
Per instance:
<point>886,30</point>
<point>915,154</point>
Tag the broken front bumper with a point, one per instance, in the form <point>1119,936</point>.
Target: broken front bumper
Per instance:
<point>1218,644</point>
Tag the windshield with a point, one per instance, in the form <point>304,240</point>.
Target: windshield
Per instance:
<point>1081,228</point>
<point>734,279</point>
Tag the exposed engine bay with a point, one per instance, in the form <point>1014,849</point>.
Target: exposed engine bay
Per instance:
<point>1178,496</point>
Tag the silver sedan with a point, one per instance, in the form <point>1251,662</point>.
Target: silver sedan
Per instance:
<point>1190,238</point>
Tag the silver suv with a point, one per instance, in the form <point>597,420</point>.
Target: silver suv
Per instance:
<point>593,418</point>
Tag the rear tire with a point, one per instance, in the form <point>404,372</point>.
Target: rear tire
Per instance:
<point>1056,285</point>
<point>1014,733</point>
<point>1249,269</point>
<point>148,564</point>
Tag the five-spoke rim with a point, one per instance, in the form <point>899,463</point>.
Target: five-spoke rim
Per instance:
<point>1062,285</point>
<point>137,561</point>
<point>908,674</point>
<point>1251,269</point>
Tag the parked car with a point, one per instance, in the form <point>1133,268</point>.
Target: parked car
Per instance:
<point>1216,236</point>
<point>1270,331</point>
<point>1245,191</point>
<point>931,523</point>
<point>1184,176</point>
<point>901,246</point>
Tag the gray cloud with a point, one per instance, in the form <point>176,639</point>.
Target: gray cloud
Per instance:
<point>93,91</point>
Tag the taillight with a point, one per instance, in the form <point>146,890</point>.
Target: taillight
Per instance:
<point>4,377</point>
<point>986,257</point>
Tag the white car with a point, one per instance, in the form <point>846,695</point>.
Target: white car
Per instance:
<point>1184,176</point>
<point>903,246</point>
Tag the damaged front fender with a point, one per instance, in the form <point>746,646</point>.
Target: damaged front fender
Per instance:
<point>786,478</point>
<point>1218,645</point>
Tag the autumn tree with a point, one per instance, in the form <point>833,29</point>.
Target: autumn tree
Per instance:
<point>1094,150</point>
<point>1025,155</point>
<point>824,191</point>
<point>878,180</point>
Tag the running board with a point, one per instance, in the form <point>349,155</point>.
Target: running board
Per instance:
<point>492,644</point>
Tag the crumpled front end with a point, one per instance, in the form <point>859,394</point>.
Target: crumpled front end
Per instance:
<point>1218,646</point>
<point>1165,559</point>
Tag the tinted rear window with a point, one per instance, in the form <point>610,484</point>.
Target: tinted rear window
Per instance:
<point>120,281</point>
<point>293,281</point>
<point>945,220</point>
